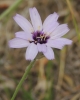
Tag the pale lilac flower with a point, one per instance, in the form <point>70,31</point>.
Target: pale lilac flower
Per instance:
<point>38,37</point>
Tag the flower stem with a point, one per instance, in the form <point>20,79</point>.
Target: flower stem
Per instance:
<point>22,79</point>
<point>74,19</point>
<point>10,9</point>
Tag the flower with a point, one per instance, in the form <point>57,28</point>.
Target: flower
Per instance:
<point>38,37</point>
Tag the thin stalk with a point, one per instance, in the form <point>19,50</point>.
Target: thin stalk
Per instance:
<point>62,66</point>
<point>10,9</point>
<point>22,79</point>
<point>73,19</point>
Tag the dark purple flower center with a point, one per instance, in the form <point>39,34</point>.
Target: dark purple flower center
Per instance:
<point>40,37</point>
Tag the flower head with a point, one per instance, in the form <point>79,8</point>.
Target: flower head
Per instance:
<point>38,37</point>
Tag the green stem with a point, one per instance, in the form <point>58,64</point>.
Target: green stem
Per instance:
<point>23,78</point>
<point>10,9</point>
<point>76,27</point>
<point>73,18</point>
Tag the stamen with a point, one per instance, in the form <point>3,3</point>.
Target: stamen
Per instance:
<point>35,42</point>
<point>40,37</point>
<point>44,38</point>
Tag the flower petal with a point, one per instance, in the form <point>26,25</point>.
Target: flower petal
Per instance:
<point>58,43</point>
<point>41,47</point>
<point>18,43</point>
<point>49,28</point>
<point>23,23</point>
<point>50,19</point>
<point>49,54</point>
<point>23,35</point>
<point>35,18</point>
<point>59,31</point>
<point>31,52</point>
